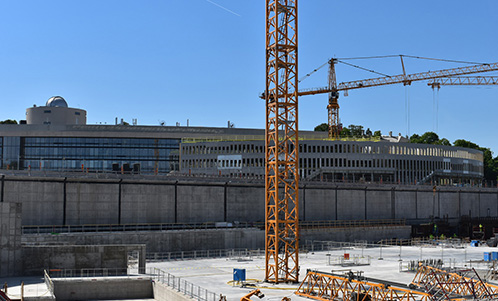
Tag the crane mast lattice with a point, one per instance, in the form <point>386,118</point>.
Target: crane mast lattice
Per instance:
<point>281,163</point>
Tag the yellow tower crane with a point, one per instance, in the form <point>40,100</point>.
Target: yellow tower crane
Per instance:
<point>281,163</point>
<point>438,76</point>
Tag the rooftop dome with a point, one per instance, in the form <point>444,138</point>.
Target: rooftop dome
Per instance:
<point>56,101</point>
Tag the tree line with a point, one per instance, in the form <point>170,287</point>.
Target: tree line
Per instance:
<point>490,163</point>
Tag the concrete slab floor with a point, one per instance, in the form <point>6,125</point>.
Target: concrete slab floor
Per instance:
<point>33,287</point>
<point>215,275</point>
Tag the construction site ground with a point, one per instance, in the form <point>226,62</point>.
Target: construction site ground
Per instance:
<point>216,275</point>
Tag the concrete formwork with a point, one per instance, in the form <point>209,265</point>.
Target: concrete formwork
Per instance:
<point>10,239</point>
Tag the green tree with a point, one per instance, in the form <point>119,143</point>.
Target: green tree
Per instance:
<point>356,130</point>
<point>465,143</point>
<point>429,138</point>
<point>345,133</point>
<point>322,128</point>
<point>8,121</point>
<point>415,139</point>
<point>444,141</point>
<point>368,132</point>
<point>377,133</point>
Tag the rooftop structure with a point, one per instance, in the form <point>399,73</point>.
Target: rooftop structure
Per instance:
<point>55,112</point>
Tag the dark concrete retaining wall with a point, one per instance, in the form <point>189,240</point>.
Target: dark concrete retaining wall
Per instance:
<point>61,201</point>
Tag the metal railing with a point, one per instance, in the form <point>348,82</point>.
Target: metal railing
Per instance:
<point>48,282</point>
<point>307,225</point>
<point>41,229</point>
<point>312,225</point>
<point>183,286</point>
<point>85,273</point>
<point>238,254</point>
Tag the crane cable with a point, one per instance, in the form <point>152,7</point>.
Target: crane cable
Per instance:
<point>309,74</point>
<point>365,69</point>
<point>341,60</point>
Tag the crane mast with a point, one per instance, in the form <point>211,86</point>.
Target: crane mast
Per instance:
<point>281,150</point>
<point>333,106</point>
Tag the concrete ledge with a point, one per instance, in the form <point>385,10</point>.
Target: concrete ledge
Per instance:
<point>103,288</point>
<point>370,234</point>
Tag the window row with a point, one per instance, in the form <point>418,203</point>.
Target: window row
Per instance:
<point>340,148</point>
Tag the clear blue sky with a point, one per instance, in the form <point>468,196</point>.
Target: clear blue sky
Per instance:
<point>173,60</point>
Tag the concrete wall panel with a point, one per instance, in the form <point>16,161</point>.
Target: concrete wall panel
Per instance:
<point>469,204</point>
<point>147,203</point>
<point>370,234</point>
<point>447,204</point>
<point>38,258</point>
<point>245,204</point>
<point>488,203</point>
<point>197,204</point>
<point>10,239</point>
<point>318,204</point>
<point>406,204</point>
<point>379,204</point>
<point>92,203</point>
<point>351,204</point>
<point>42,201</point>
<point>426,205</point>
<point>97,201</point>
<point>103,289</point>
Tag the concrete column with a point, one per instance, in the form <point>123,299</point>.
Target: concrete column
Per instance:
<point>10,239</point>
<point>2,188</point>
<point>141,260</point>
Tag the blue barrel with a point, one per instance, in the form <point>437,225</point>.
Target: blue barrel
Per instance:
<point>494,256</point>
<point>487,256</point>
<point>239,275</point>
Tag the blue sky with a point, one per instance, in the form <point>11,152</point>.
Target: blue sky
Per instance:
<point>173,60</point>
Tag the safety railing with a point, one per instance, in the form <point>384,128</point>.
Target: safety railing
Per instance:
<point>183,286</point>
<point>48,282</point>
<point>308,225</point>
<point>132,227</point>
<point>239,254</point>
<point>311,225</point>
